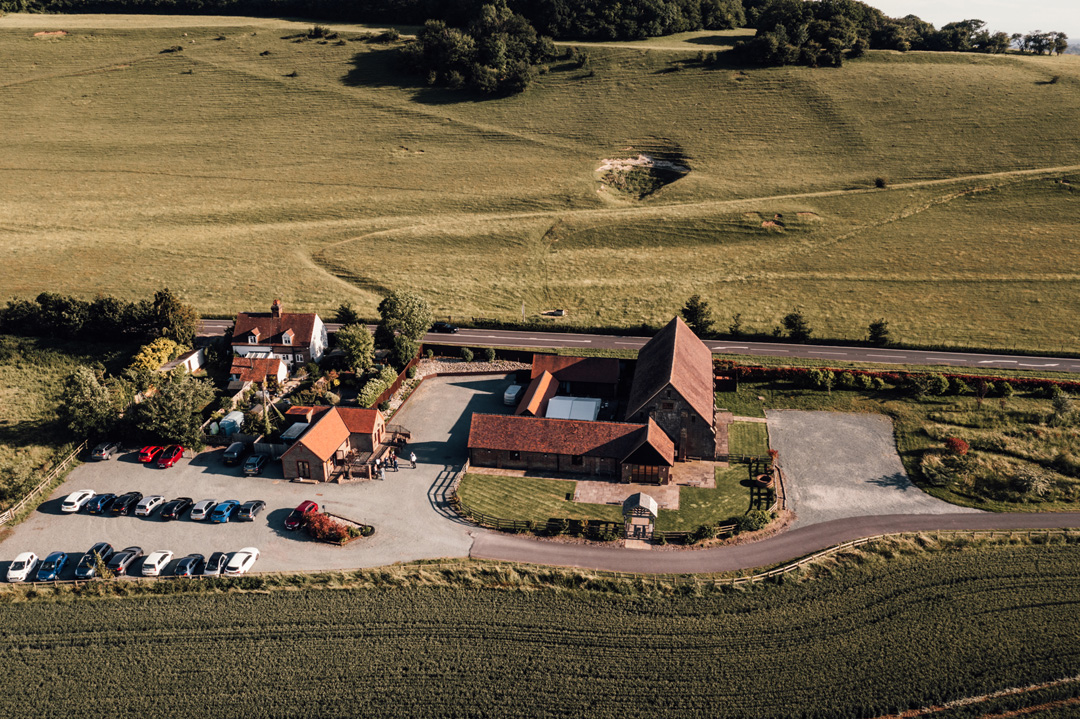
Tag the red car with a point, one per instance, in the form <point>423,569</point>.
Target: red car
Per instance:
<point>169,456</point>
<point>149,453</point>
<point>296,517</point>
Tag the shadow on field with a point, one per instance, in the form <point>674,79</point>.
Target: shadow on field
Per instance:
<point>381,68</point>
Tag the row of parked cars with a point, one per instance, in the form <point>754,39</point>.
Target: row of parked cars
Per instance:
<point>124,504</point>
<point>167,456</point>
<point>120,563</point>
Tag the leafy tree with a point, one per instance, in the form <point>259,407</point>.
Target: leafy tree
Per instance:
<point>797,327</point>
<point>155,354</point>
<point>173,412</point>
<point>358,345</point>
<point>735,328</point>
<point>86,404</point>
<point>405,313</point>
<point>878,333</point>
<point>346,315</point>
<point>403,351</point>
<point>173,319</point>
<point>698,315</point>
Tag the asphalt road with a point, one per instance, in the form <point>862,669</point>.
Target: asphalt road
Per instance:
<point>836,353</point>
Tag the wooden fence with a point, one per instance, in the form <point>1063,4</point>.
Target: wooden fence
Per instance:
<point>63,464</point>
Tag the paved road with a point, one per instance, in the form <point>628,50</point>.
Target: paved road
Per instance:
<point>836,353</point>
<point>781,548</point>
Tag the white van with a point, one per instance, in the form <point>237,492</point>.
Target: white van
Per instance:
<point>512,395</point>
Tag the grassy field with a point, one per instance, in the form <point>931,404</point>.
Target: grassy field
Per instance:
<point>250,160</point>
<point>529,498</point>
<point>921,630</point>
<point>31,376</point>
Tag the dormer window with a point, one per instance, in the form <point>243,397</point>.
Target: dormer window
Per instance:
<point>287,337</point>
<point>253,339</point>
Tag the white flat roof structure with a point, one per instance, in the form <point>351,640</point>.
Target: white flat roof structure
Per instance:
<point>586,408</point>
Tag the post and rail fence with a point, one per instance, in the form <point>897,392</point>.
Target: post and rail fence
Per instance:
<point>9,514</point>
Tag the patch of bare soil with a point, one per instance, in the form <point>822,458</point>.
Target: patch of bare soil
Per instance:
<point>640,176</point>
<point>54,33</point>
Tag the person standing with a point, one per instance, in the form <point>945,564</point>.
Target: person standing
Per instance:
<point>382,473</point>
<point>412,458</point>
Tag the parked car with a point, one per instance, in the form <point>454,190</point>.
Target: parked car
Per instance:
<point>155,562</point>
<point>75,501</point>
<point>105,450</point>
<point>215,565</point>
<point>149,453</point>
<point>148,504</point>
<point>170,456</point>
<point>189,566</point>
<point>100,503</point>
<point>296,517</point>
<point>20,569</point>
<point>125,504</point>
<point>87,566</point>
<point>255,464</point>
<point>250,510</point>
<point>123,559</point>
<point>234,453</point>
<point>175,508</point>
<point>50,569</point>
<point>444,327</point>
<point>242,561</point>
<point>201,510</point>
<point>224,511</point>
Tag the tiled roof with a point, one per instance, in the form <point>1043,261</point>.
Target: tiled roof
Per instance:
<point>537,394</point>
<point>563,436</point>
<point>325,437</point>
<point>252,369</point>
<point>577,369</point>
<point>271,328</point>
<point>305,413</point>
<point>358,420</point>
<point>677,357</point>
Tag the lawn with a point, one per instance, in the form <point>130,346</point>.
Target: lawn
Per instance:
<point>698,506</point>
<point>337,177</point>
<point>921,630</point>
<point>750,439</point>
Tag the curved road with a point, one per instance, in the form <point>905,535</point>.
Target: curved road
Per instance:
<point>782,547</point>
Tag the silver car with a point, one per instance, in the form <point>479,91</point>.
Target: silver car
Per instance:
<point>147,505</point>
<point>200,511</point>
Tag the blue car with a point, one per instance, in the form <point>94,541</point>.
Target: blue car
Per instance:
<point>224,511</point>
<point>99,503</point>
<point>52,566</point>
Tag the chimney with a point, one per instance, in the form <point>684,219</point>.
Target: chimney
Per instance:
<point>275,309</point>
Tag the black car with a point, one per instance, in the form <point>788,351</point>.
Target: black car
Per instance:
<point>105,450</point>
<point>189,566</point>
<point>444,327</point>
<point>99,503</point>
<point>175,508</point>
<point>249,510</point>
<point>215,565</point>
<point>87,566</point>
<point>125,504</point>
<point>123,559</point>
<point>234,454</point>
<point>255,464</point>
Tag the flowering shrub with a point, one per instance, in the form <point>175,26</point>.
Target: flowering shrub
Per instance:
<point>957,446</point>
<point>325,528</point>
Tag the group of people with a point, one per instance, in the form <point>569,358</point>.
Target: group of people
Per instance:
<point>392,462</point>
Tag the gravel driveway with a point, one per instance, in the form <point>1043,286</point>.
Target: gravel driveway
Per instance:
<point>844,464</point>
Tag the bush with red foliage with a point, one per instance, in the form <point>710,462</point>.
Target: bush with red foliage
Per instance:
<point>957,446</point>
<point>325,528</point>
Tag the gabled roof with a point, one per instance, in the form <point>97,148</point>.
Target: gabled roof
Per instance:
<point>254,369</point>
<point>567,436</point>
<point>653,448</point>
<point>325,437</point>
<point>305,413</point>
<point>676,357</point>
<point>640,500</point>
<point>600,370</point>
<point>537,395</point>
<point>270,328</point>
<point>359,420</point>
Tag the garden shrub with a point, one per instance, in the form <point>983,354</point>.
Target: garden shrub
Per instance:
<point>753,521</point>
<point>410,373</point>
<point>957,446</point>
<point>488,353</point>
<point>430,354</point>
<point>467,354</point>
<point>877,383</point>
<point>325,528</point>
<point>703,532</point>
<point>1030,480</point>
<point>958,386</point>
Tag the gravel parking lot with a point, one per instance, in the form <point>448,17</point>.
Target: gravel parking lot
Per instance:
<point>407,509</point>
<point>844,464</point>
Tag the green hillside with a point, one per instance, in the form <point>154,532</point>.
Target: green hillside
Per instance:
<point>320,174</point>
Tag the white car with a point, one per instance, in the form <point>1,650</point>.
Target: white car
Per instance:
<point>75,501</point>
<point>201,509</point>
<point>20,569</point>
<point>242,561</point>
<point>155,562</point>
<point>148,504</point>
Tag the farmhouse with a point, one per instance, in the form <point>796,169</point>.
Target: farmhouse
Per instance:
<point>291,337</point>
<point>330,442</point>
<point>629,452</point>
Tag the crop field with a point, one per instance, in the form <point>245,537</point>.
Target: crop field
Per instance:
<point>252,159</point>
<point>915,631</point>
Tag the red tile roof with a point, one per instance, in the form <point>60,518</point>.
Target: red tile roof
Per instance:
<point>537,394</point>
<point>325,437</point>
<point>360,421</point>
<point>305,413</point>
<point>567,437</point>
<point>271,328</point>
<point>255,369</point>
<point>601,370</point>
<point>676,357</point>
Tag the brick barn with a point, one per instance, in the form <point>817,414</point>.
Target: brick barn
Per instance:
<point>321,451</point>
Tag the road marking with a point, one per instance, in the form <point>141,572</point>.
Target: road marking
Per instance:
<point>835,354</point>
<point>889,356</point>
<point>945,359</point>
<point>545,339</point>
<point>1055,364</point>
<point>716,349</point>
<point>632,344</point>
